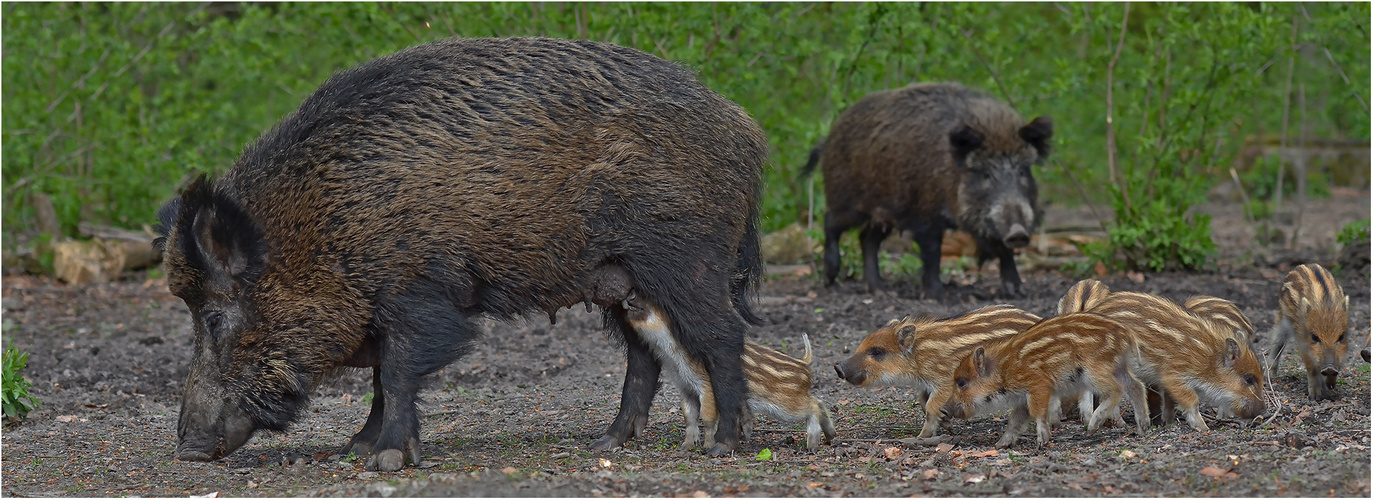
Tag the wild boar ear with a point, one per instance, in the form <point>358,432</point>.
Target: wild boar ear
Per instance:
<point>166,218</point>
<point>1037,133</point>
<point>217,236</point>
<point>1232,353</point>
<point>905,337</point>
<point>964,140</point>
<point>1305,305</point>
<point>984,364</point>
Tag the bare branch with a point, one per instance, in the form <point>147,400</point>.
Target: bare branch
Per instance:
<point>1007,95</point>
<point>1111,153</point>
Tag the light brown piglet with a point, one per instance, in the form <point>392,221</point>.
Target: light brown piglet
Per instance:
<point>1192,359</point>
<point>922,352</point>
<point>1224,313</point>
<point>778,385</point>
<point>1060,356</point>
<point>1312,315</point>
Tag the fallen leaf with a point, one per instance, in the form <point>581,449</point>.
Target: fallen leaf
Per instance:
<point>89,405</point>
<point>213,494</point>
<point>943,447</point>
<point>1075,486</point>
<point>605,464</point>
<point>1127,454</point>
<point>1100,269</point>
<point>66,418</point>
<point>1214,471</point>
<point>509,470</point>
<point>699,494</point>
<point>975,478</point>
<point>978,454</point>
<point>930,474</point>
<point>1135,276</point>
<point>815,485</point>
<point>891,453</point>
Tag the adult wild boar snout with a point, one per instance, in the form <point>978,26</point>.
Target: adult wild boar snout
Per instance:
<point>211,425</point>
<point>1017,236</point>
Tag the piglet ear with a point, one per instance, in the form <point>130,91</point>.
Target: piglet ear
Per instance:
<point>984,364</point>
<point>1037,133</point>
<point>906,338</point>
<point>964,140</point>
<point>1232,353</point>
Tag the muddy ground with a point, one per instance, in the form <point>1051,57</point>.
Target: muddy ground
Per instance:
<point>515,417</point>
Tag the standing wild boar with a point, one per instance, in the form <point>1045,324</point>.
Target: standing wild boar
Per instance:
<point>924,158</point>
<point>458,178</point>
<point>1313,315</point>
<point>922,352</point>
<point>1060,356</point>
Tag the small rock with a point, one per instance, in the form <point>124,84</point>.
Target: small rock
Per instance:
<point>428,464</point>
<point>561,454</point>
<point>367,475</point>
<point>242,470</point>
<point>1127,454</point>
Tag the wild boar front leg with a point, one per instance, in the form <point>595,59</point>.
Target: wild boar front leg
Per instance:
<point>641,382</point>
<point>362,443</point>
<point>1282,333</point>
<point>933,415</point>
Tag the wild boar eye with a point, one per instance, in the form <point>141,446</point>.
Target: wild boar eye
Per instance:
<point>212,321</point>
<point>1341,339</point>
<point>877,352</point>
<point>962,382</point>
<point>1250,380</point>
<point>1315,339</point>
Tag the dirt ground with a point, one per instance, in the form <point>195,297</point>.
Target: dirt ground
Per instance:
<point>516,417</point>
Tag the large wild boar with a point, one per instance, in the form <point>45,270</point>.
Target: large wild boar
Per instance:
<point>459,178</point>
<point>924,158</point>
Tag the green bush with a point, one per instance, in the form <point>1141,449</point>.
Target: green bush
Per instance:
<point>109,107</point>
<point>1353,233</point>
<point>16,399</point>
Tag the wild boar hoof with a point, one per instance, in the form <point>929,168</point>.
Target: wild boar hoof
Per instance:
<point>387,461</point>
<point>606,443</point>
<point>720,449</point>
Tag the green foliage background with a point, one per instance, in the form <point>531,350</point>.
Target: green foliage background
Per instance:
<point>108,107</point>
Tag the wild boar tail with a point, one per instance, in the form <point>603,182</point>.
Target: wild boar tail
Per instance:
<point>805,340</point>
<point>813,160</point>
<point>748,272</point>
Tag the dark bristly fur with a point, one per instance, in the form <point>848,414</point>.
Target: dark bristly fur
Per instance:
<point>924,158</point>
<point>458,178</point>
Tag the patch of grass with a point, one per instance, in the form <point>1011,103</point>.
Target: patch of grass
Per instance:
<point>15,389</point>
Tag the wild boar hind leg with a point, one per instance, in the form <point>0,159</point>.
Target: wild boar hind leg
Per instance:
<point>1020,417</point>
<point>929,237</point>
